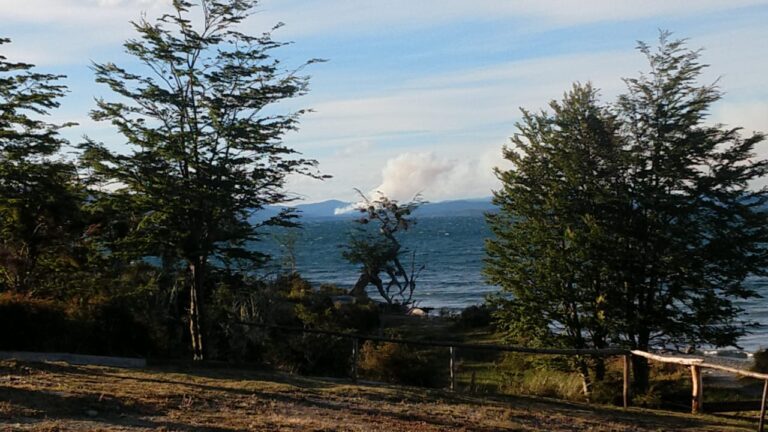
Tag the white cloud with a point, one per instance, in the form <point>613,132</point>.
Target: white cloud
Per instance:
<point>71,32</point>
<point>472,102</point>
<point>446,127</point>
<point>751,116</point>
<point>92,12</point>
<point>356,148</point>
<point>370,16</point>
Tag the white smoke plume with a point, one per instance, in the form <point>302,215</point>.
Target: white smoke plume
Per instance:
<point>435,178</point>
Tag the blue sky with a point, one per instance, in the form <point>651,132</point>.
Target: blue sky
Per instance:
<point>420,95</point>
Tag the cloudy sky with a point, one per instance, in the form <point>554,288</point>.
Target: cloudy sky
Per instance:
<point>420,95</point>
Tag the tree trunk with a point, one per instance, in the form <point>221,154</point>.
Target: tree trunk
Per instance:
<point>362,282</point>
<point>599,368</point>
<point>586,380</point>
<point>641,374</point>
<point>196,293</point>
<point>640,369</point>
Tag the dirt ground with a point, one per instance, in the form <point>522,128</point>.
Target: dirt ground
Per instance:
<point>62,397</point>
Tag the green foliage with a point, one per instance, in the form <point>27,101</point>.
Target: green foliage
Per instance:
<point>633,224</point>
<point>103,328</point>
<point>697,229</point>
<point>555,205</point>
<point>38,197</point>
<point>476,316</point>
<point>401,364</point>
<point>289,301</point>
<point>376,247</point>
<point>205,155</point>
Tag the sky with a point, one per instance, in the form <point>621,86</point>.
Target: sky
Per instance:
<point>419,96</point>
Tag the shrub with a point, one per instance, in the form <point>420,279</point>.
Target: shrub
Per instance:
<point>289,300</point>
<point>547,383</point>
<point>760,361</point>
<point>546,376</point>
<point>475,316</point>
<point>316,354</point>
<point>114,330</point>
<point>398,363</point>
<point>32,325</point>
<point>107,328</point>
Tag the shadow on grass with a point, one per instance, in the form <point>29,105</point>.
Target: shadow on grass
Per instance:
<point>16,367</point>
<point>370,395</point>
<point>48,406</point>
<point>634,416</point>
<point>367,400</point>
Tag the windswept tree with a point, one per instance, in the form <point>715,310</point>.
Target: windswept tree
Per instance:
<point>204,142</point>
<point>636,225</point>
<point>38,201</point>
<point>376,247</point>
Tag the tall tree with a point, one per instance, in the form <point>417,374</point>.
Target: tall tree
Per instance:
<point>638,227</point>
<point>695,228</point>
<point>37,200</point>
<point>205,139</point>
<point>557,205</point>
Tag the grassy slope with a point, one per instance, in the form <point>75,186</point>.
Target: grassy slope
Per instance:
<point>62,397</point>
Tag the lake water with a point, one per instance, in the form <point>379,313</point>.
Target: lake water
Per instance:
<point>451,248</point>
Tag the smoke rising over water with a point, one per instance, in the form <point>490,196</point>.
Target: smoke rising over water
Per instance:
<point>434,177</point>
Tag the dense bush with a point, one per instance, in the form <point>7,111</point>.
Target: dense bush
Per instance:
<point>400,364</point>
<point>476,316</point>
<point>33,325</point>
<point>312,354</point>
<point>115,330</point>
<point>290,301</point>
<point>760,361</point>
<point>107,328</point>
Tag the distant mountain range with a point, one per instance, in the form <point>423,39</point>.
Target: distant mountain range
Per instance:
<point>328,209</point>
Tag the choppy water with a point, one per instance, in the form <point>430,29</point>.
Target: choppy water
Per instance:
<point>451,248</point>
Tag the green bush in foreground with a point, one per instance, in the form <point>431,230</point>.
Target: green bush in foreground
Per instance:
<point>290,301</point>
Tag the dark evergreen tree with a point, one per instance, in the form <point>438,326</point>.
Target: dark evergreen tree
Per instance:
<point>695,227</point>
<point>38,199</point>
<point>636,226</point>
<point>205,143</point>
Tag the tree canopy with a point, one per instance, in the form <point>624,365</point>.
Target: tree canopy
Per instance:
<point>634,224</point>
<point>38,200</point>
<point>206,142</point>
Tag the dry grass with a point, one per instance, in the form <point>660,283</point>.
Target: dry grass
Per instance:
<point>59,397</point>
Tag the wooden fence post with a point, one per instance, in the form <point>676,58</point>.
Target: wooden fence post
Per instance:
<point>625,393</point>
<point>355,355</point>
<point>697,392</point>
<point>761,425</point>
<point>453,368</point>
